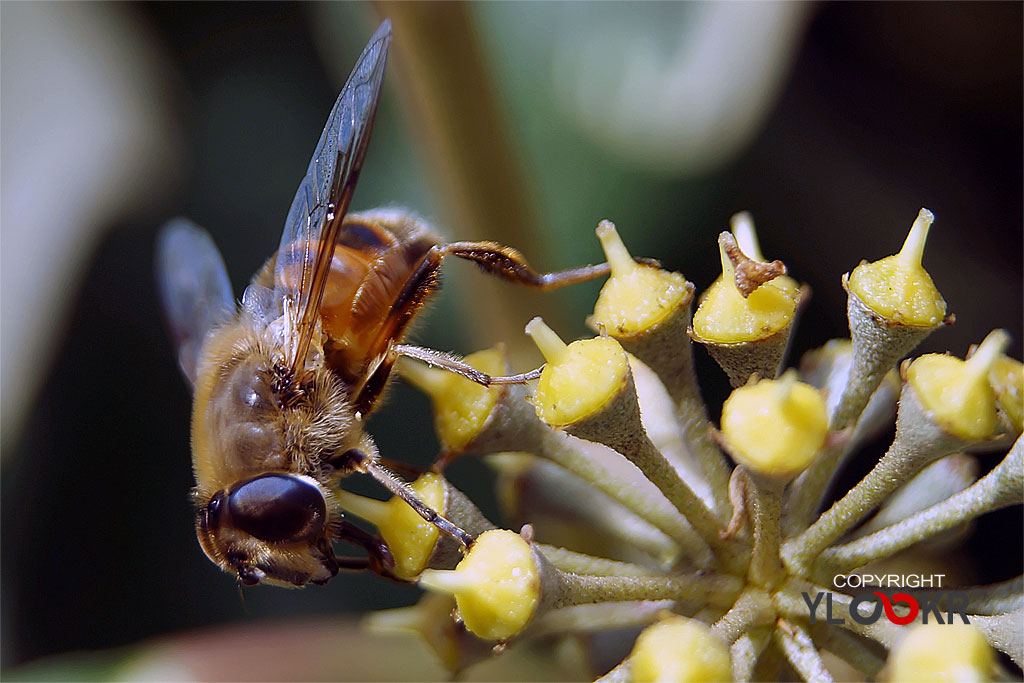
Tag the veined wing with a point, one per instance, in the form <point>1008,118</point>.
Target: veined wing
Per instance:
<point>194,288</point>
<point>320,204</point>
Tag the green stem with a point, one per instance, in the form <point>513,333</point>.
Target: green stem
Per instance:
<point>1002,631</point>
<point>850,648</point>
<point>577,589</point>
<point>560,449</point>
<point>999,488</point>
<point>746,651</point>
<point>579,563</point>
<point>790,603</point>
<point>637,447</point>
<point>753,608</point>
<point>918,443</point>
<point>598,616</point>
<point>799,649</point>
<point>764,497</point>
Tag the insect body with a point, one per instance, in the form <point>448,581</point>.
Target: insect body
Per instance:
<point>283,381</point>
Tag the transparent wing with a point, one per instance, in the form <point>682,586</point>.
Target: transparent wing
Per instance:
<point>315,218</point>
<point>194,288</point>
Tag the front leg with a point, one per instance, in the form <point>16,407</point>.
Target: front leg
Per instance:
<point>452,363</point>
<point>507,263</point>
<point>378,556</point>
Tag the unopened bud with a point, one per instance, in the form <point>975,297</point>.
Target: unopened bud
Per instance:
<point>957,393</point>
<point>679,650</point>
<point>775,427</point>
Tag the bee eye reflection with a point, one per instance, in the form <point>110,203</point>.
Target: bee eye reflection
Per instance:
<point>278,507</point>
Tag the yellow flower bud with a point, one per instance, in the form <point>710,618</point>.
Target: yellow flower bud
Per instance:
<point>461,406</point>
<point>636,297</point>
<point>410,538</point>
<point>579,379</point>
<point>496,586</point>
<point>677,650</point>
<point>957,393</point>
<point>775,427</point>
<point>897,287</point>
<point>725,316</point>
<point>942,652</point>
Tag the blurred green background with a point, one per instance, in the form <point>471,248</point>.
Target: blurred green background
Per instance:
<point>832,124</point>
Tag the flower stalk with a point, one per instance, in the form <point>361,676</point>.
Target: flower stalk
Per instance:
<point>998,489</point>
<point>923,435</point>
<point>648,311</point>
<point>604,409</point>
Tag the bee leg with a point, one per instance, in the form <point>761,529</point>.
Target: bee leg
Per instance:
<point>378,556</point>
<point>402,490</point>
<point>451,363</point>
<point>507,263</point>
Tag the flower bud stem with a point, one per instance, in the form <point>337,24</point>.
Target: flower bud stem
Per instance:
<point>790,603</point>
<point>577,589</point>
<point>799,649</point>
<point>746,652</point>
<point>918,442</point>
<point>598,616</point>
<point>559,449</point>
<point>999,488</point>
<point>764,500</point>
<point>579,563</point>
<point>753,608</point>
<point>850,648</point>
<point>637,447</point>
<point>1002,631</point>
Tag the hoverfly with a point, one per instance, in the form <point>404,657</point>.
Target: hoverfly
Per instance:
<point>284,380</point>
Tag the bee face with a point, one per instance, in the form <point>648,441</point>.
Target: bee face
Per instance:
<point>272,528</point>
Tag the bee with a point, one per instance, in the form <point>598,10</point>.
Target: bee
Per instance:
<point>284,380</point>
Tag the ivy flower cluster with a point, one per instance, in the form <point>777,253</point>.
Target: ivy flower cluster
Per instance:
<point>635,515</point>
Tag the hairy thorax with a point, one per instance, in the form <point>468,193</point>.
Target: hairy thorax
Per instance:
<point>243,425</point>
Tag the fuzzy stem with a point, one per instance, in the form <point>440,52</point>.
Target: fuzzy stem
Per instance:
<point>998,489</point>
<point>799,649</point>
<point>790,603</point>
<point>851,648</point>
<point>918,442</point>
<point>598,616</point>
<point>811,486</point>
<point>764,499</point>
<point>753,608</point>
<point>746,651</point>
<point>577,589</point>
<point>996,598</point>
<point>559,449</point>
<point>696,428</point>
<point>1002,632</point>
<point>579,563</point>
<point>637,447</point>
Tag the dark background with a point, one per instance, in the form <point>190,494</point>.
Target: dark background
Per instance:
<point>888,107</point>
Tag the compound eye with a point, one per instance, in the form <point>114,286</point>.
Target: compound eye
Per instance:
<point>277,508</point>
<point>210,514</point>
